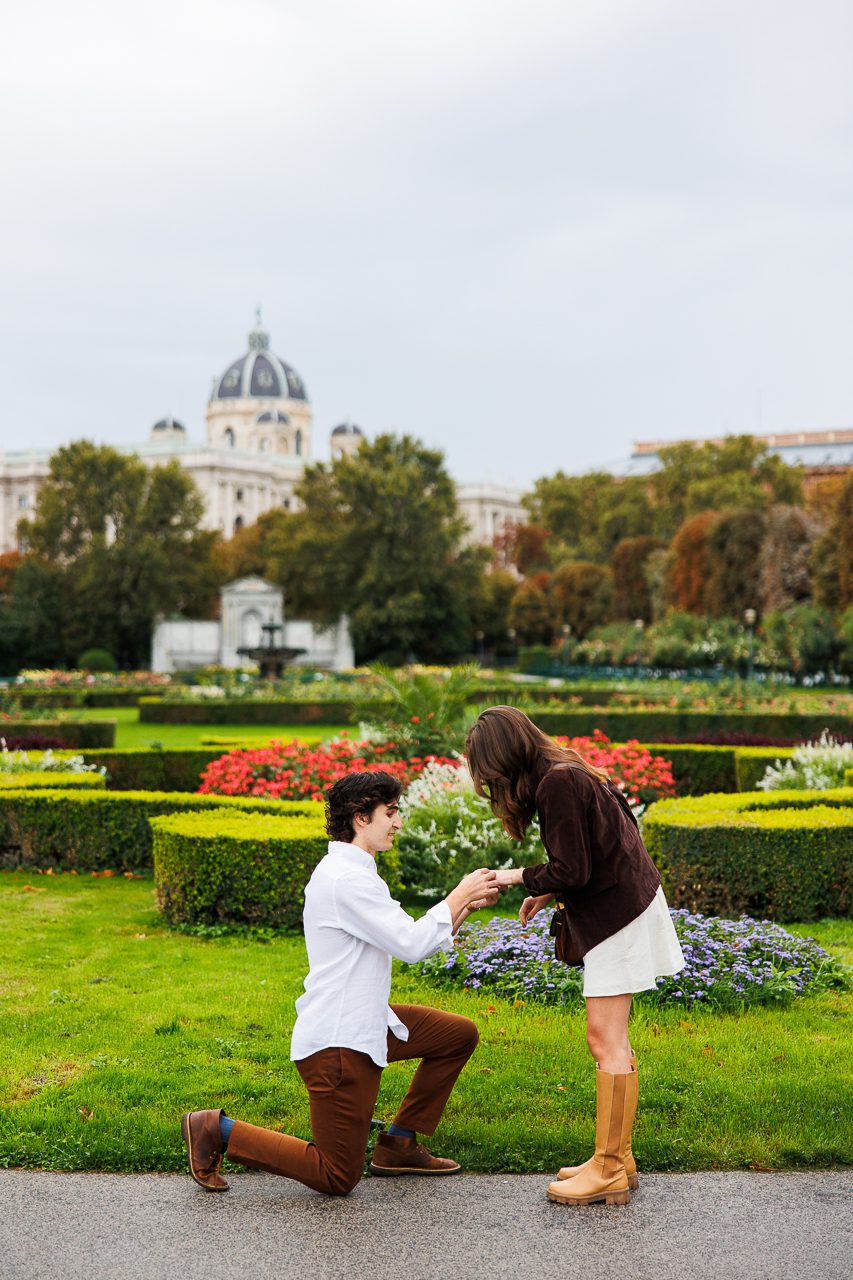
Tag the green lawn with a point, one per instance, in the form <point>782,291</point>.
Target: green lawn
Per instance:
<point>130,733</point>
<point>112,1026</point>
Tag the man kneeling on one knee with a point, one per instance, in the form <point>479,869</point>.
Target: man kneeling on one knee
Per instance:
<point>345,1031</point>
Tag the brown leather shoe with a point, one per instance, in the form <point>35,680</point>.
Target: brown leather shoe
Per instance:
<point>393,1155</point>
<point>203,1141</point>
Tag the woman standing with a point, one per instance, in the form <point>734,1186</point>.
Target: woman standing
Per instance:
<point>615,908</point>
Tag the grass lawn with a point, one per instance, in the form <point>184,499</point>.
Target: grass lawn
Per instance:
<point>130,733</point>
<point>112,1026</point>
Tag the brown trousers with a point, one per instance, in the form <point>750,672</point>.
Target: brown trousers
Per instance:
<point>343,1086</point>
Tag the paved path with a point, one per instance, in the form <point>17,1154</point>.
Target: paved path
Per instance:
<point>57,1226</point>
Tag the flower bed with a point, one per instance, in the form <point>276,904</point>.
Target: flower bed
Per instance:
<point>643,775</point>
<point>292,771</point>
<point>729,964</point>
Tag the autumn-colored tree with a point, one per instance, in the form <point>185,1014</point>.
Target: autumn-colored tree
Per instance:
<point>688,566</point>
<point>582,593</point>
<point>734,544</point>
<point>530,612</point>
<point>631,595</point>
<point>832,560</point>
<point>521,546</point>
<point>784,568</point>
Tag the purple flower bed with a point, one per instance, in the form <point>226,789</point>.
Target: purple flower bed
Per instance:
<point>729,964</point>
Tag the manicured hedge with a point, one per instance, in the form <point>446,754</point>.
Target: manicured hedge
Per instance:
<point>51,779</point>
<point>79,697</point>
<point>242,869</point>
<point>248,711</point>
<point>752,763</point>
<point>73,733</point>
<point>150,769</point>
<point>89,831</point>
<point>786,855</point>
<point>848,777</point>
<point>698,770</point>
<point>683,726</point>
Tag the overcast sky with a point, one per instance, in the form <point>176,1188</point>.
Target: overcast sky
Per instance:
<point>528,233</point>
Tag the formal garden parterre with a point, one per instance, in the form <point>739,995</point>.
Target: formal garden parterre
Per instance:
<point>105,986</point>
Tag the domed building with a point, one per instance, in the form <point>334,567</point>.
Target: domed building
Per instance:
<point>346,440</point>
<point>259,404</point>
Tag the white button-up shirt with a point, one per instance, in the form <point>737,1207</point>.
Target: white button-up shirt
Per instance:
<point>353,927</point>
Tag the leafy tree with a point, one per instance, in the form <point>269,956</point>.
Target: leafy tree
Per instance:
<point>689,566</point>
<point>530,612</point>
<point>804,639</point>
<point>378,537</point>
<point>738,472</point>
<point>118,544</point>
<point>631,594</point>
<point>833,554</point>
<point>490,607</point>
<point>735,540</point>
<point>582,593</point>
<point>521,546</point>
<point>425,714</point>
<point>784,567</point>
<point>587,515</point>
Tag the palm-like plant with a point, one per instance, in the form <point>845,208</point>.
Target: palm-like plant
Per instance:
<point>426,714</point>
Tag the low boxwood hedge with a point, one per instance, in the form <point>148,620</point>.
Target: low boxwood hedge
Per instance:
<point>51,779</point>
<point>152,769</point>
<point>73,733</point>
<point>785,855</point>
<point>848,777</point>
<point>751,764</point>
<point>250,869</point>
<point>250,711</point>
<point>93,830</point>
<point>697,770</point>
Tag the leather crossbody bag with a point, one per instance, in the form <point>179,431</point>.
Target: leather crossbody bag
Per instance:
<point>566,946</point>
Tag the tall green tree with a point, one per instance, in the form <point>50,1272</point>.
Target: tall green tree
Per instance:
<point>582,594</point>
<point>833,553</point>
<point>736,473</point>
<point>587,515</point>
<point>735,541</point>
<point>631,595</point>
<point>378,537</point>
<point>113,544</point>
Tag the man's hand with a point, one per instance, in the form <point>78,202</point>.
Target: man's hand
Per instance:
<point>478,887</point>
<point>488,901</point>
<point>530,906</point>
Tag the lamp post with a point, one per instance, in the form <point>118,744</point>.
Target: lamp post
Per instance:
<point>749,616</point>
<point>513,652</point>
<point>567,631</point>
<point>480,637</point>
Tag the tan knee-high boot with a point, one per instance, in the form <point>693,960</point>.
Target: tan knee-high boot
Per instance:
<point>604,1177</point>
<point>631,1095</point>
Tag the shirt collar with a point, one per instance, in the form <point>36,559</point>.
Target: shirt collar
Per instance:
<point>352,853</point>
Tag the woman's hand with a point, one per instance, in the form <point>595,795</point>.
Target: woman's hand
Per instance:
<point>506,879</point>
<point>530,906</point>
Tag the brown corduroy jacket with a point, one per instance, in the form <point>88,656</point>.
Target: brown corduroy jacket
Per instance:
<point>597,862</point>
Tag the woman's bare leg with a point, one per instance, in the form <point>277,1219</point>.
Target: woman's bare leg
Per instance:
<point>607,1032</point>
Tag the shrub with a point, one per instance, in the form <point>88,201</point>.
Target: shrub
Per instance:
<point>248,711</point>
<point>89,831</point>
<point>784,854</point>
<point>848,777</point>
<point>644,776</point>
<point>728,964</point>
<point>219,866</point>
<point>697,770</point>
<point>96,660</point>
<point>684,726</point>
<point>448,830</point>
<point>26,779</point>
<point>816,766</point>
<point>292,771</point>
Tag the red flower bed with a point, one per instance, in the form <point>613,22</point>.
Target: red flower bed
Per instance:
<point>292,771</point>
<point>644,778</point>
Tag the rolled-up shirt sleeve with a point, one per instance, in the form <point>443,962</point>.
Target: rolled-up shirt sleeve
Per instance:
<point>565,835</point>
<point>367,911</point>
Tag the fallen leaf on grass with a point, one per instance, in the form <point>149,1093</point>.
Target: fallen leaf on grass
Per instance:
<point>486,1071</point>
<point>778,1058</point>
<point>86,1113</point>
<point>33,888</point>
<point>140,935</point>
<point>655,1029</point>
<point>707,1049</point>
<point>103,875</point>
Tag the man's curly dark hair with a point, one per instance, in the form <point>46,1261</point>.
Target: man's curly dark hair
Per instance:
<point>357,793</point>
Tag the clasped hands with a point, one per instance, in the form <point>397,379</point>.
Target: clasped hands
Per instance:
<point>482,888</point>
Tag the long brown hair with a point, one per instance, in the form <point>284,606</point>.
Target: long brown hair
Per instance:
<point>508,757</point>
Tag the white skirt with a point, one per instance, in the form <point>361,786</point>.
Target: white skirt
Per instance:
<point>632,959</point>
